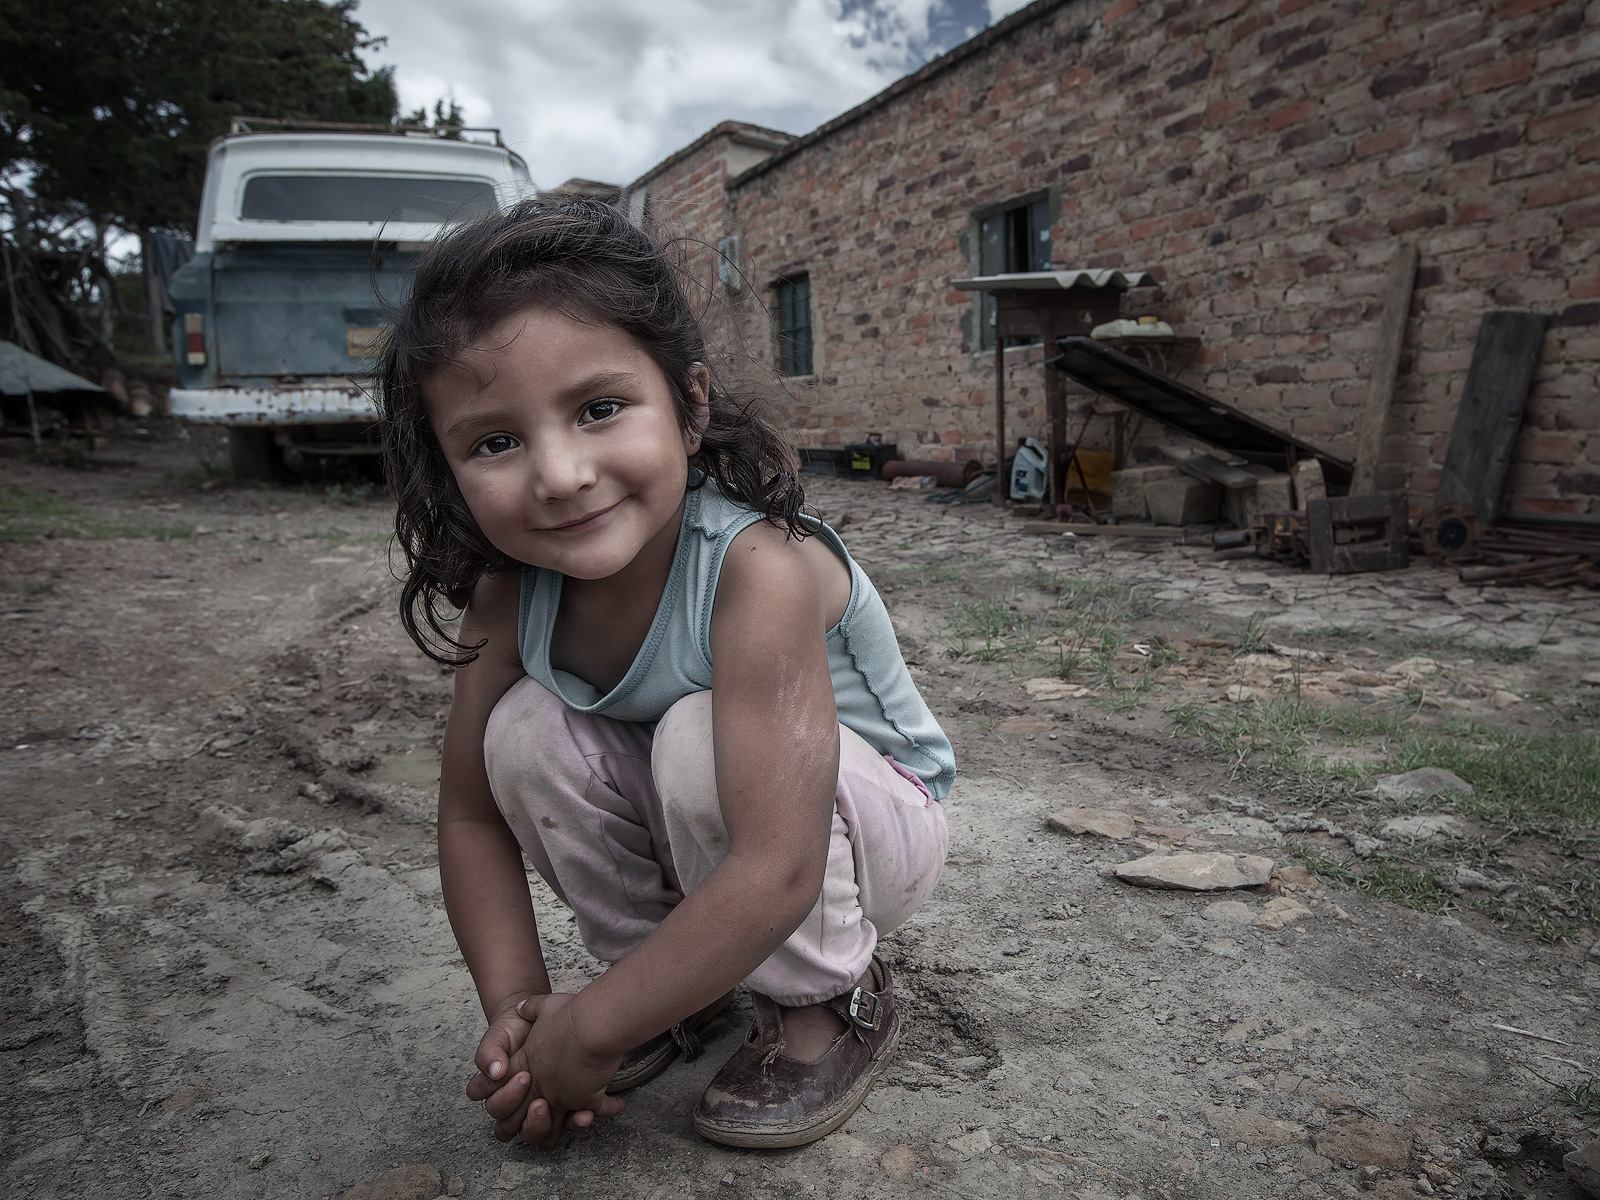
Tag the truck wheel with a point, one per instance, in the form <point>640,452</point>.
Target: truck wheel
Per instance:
<point>253,454</point>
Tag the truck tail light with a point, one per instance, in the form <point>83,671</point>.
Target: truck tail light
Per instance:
<point>194,333</point>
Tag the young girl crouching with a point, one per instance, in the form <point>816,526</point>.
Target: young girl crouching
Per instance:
<point>676,693</point>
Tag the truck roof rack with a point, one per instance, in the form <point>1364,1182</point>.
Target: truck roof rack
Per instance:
<point>243,125</point>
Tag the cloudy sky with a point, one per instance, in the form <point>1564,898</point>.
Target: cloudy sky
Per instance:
<point>603,89</point>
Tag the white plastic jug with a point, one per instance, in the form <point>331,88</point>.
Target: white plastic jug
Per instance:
<point>1027,471</point>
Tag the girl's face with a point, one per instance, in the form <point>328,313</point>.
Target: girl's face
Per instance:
<point>571,456</point>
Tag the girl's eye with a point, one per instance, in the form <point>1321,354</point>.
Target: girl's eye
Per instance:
<point>600,410</point>
<point>497,443</point>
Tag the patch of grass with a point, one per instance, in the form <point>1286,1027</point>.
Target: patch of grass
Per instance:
<point>27,516</point>
<point>1188,718</point>
<point>1070,658</point>
<point>1521,781</point>
<point>1091,602</point>
<point>1253,637</point>
<point>353,494</point>
<point>1411,884</point>
<point>1336,633</point>
<point>1499,652</point>
<point>1584,1099</point>
<point>915,576</point>
<point>29,587</point>
<point>999,630</point>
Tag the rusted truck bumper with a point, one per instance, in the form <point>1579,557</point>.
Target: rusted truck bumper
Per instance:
<point>266,407</point>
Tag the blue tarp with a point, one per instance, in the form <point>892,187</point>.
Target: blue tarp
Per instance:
<point>21,372</point>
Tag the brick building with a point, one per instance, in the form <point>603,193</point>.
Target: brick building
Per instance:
<point>1261,158</point>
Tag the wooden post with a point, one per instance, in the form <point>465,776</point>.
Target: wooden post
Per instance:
<point>1055,407</point>
<point>1003,485</point>
<point>1385,364</point>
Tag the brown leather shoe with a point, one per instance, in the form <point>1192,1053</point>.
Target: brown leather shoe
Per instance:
<point>761,1098</point>
<point>644,1063</point>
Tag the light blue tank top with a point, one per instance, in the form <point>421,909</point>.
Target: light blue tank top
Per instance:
<point>872,689</point>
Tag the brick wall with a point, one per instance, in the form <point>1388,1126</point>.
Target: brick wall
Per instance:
<point>1262,158</point>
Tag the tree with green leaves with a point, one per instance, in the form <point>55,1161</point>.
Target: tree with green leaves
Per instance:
<point>107,108</point>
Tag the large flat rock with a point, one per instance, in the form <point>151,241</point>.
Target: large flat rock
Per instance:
<point>1215,872</point>
<point>1102,822</point>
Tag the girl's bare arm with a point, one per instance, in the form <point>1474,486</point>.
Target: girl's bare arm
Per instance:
<point>777,764</point>
<point>480,863</point>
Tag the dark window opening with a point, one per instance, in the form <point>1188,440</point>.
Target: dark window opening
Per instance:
<point>374,198</point>
<point>1017,239</point>
<point>794,326</point>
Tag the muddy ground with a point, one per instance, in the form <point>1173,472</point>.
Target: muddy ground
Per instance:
<point>228,972</point>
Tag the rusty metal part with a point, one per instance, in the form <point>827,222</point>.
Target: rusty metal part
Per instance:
<point>1558,571</point>
<point>949,474</point>
<point>1450,534</point>
<point>1284,536</point>
<point>1359,533</point>
<point>1276,535</point>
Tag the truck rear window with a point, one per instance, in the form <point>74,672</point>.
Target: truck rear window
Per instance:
<point>364,198</point>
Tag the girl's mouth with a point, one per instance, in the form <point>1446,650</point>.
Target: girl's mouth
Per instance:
<point>582,523</point>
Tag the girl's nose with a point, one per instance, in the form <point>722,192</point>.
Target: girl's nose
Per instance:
<point>561,472</point>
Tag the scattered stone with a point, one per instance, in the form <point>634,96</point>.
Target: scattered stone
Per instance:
<point>1240,694</point>
<point>186,1098</point>
<point>970,1144</point>
<point>420,1181</point>
<point>1419,667</point>
<point>1363,1140</point>
<point>1230,912</point>
<point>1242,1125</point>
<point>514,1175</point>
<point>1264,662</point>
<point>1499,1145</point>
<point>1504,699</point>
<point>1466,877</point>
<point>1424,827</point>
<point>1101,822</point>
<point>898,1160</point>
<point>1592,679</point>
<point>1422,784</point>
<point>1364,844</point>
<point>1282,911</point>
<point>1480,1181</point>
<point>1054,689</point>
<point>1213,872</point>
<point>1296,654</point>
<point>1298,877</point>
<point>1225,948</point>
<point>1583,1168</point>
<point>260,1160</point>
<point>1594,952</point>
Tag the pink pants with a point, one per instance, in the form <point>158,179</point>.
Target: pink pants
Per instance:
<point>622,825</point>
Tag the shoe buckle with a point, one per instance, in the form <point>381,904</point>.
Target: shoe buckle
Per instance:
<point>866,1010</point>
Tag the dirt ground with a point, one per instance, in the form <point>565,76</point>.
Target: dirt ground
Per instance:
<point>228,971</point>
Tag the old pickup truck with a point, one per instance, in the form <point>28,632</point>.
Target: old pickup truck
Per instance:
<point>306,240</point>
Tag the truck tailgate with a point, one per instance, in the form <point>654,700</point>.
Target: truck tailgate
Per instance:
<point>302,309</point>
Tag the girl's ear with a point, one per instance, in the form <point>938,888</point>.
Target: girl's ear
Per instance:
<point>699,406</point>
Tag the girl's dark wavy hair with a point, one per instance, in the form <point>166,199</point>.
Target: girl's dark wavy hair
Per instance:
<point>585,260</point>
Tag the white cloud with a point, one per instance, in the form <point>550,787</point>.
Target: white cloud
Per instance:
<point>603,89</point>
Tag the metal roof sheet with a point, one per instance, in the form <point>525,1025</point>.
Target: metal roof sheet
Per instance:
<point>1027,281</point>
<point>21,372</point>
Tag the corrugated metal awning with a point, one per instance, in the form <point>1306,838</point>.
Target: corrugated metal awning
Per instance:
<point>21,372</point>
<point>1030,281</point>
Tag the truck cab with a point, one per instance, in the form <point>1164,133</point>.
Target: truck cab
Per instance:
<point>306,242</point>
